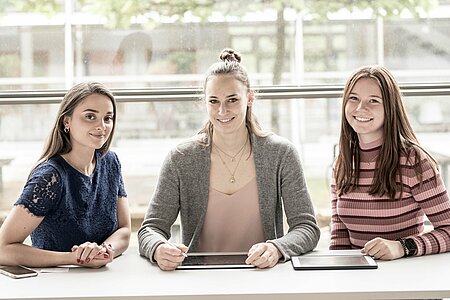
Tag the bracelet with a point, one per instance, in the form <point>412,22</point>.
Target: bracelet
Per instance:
<point>405,249</point>
<point>411,245</point>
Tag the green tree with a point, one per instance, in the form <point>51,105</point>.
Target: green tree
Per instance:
<point>48,7</point>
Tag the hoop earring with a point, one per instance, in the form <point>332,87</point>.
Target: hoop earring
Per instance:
<point>66,129</point>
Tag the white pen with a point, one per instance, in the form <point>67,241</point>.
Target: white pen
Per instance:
<point>168,242</point>
<point>173,245</point>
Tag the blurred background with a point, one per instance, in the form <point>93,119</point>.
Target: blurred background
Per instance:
<point>153,55</point>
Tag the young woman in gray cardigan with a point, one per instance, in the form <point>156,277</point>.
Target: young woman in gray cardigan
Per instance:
<point>230,184</point>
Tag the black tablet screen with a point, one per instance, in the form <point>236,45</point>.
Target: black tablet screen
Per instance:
<point>214,260</point>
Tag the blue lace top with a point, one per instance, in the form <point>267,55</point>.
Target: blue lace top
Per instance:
<point>76,208</point>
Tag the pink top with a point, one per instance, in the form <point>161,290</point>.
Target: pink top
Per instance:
<point>232,222</point>
<point>359,217</point>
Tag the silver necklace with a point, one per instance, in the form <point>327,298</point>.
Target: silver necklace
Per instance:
<point>232,178</point>
<point>232,157</point>
<point>69,161</point>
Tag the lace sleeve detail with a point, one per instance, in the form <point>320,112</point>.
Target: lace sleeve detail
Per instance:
<point>42,191</point>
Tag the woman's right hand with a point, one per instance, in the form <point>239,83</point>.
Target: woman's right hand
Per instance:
<point>384,249</point>
<point>169,257</point>
<point>91,255</point>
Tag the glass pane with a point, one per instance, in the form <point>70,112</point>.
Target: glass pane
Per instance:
<point>146,131</point>
<point>39,49</point>
<point>408,40</point>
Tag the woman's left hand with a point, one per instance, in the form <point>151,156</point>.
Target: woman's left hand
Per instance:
<point>93,255</point>
<point>380,248</point>
<point>263,255</point>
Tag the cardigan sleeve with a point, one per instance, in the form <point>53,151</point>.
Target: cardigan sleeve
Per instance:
<point>303,234</point>
<point>162,210</point>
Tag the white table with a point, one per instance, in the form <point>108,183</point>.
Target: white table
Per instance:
<point>133,277</point>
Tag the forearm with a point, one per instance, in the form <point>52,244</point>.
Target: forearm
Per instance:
<point>20,254</point>
<point>155,228</point>
<point>301,239</point>
<point>435,203</point>
<point>148,241</point>
<point>433,242</point>
<point>339,237</point>
<point>119,240</point>
<point>339,234</point>
<point>339,244</point>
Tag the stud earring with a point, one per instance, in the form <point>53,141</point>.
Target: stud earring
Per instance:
<point>66,129</point>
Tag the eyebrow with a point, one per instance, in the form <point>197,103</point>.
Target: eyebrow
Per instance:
<point>90,110</point>
<point>96,111</point>
<point>376,96</point>
<point>232,95</point>
<point>229,96</point>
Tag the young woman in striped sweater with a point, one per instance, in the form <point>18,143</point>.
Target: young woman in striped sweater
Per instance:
<point>384,183</point>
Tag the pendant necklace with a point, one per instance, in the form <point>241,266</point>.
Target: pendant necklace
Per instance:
<point>231,156</point>
<point>232,178</point>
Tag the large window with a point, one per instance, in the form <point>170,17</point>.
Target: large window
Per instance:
<point>52,51</point>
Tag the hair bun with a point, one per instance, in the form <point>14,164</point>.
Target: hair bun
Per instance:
<point>229,54</point>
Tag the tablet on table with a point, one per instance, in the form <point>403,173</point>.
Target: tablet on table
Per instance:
<point>330,261</point>
<point>215,260</point>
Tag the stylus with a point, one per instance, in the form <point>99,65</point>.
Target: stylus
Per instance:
<point>170,243</point>
<point>173,245</point>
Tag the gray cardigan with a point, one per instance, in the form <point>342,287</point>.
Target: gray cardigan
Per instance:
<point>183,186</point>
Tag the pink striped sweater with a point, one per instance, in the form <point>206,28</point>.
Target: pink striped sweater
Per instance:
<point>358,217</point>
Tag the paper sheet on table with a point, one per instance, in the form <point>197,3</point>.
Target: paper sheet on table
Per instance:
<point>52,270</point>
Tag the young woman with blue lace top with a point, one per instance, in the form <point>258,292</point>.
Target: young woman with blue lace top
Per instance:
<point>74,203</point>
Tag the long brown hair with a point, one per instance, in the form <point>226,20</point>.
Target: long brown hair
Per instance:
<point>58,141</point>
<point>230,64</point>
<point>399,138</point>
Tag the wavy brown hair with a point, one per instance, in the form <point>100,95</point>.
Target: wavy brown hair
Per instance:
<point>230,64</point>
<point>58,141</point>
<point>399,139</point>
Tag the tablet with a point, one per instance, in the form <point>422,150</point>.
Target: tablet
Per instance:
<point>333,262</point>
<point>215,260</point>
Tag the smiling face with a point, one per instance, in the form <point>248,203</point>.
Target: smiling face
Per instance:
<point>226,101</point>
<point>364,110</point>
<point>91,122</point>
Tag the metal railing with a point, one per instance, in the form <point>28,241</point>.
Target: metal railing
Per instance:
<point>195,93</point>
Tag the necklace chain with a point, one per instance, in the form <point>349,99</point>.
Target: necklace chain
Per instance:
<point>232,178</point>
<point>231,156</point>
<point>69,161</point>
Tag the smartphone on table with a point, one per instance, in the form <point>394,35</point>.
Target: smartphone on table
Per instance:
<point>17,271</point>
